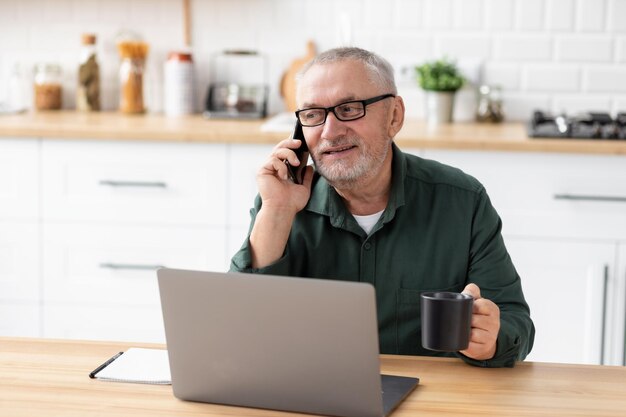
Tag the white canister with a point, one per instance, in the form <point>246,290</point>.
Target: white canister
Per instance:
<point>178,98</point>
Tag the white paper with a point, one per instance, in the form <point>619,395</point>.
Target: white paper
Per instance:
<point>145,366</point>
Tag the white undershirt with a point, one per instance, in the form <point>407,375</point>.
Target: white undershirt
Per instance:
<point>367,222</point>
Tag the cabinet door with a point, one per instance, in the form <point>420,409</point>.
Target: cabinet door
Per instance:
<point>133,182</point>
<point>99,281</point>
<point>93,264</point>
<point>618,332</point>
<point>547,194</point>
<point>19,176</point>
<point>566,285</point>
<point>19,319</point>
<point>245,161</point>
<point>19,261</point>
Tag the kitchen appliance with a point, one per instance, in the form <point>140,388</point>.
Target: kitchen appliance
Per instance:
<point>592,125</point>
<point>239,87</point>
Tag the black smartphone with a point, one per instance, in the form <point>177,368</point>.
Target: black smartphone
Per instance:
<point>297,173</point>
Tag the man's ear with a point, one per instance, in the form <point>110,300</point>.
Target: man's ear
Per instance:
<point>396,117</point>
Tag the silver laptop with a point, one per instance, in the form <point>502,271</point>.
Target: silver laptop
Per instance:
<point>305,345</point>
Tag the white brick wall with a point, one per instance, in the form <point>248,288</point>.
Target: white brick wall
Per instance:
<point>560,55</point>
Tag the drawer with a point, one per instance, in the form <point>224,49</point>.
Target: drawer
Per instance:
<point>582,196</point>
<point>117,265</point>
<point>19,319</point>
<point>19,176</point>
<point>19,261</point>
<point>103,322</point>
<point>134,182</point>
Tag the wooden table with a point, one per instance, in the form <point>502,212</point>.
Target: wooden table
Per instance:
<point>50,378</point>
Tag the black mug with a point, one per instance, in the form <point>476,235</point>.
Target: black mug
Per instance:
<point>446,320</point>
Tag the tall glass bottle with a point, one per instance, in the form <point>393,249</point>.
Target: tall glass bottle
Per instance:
<point>88,91</point>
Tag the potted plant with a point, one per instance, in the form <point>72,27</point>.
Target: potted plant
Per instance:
<point>440,80</point>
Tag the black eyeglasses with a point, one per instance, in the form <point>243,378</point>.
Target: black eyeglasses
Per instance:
<point>350,110</point>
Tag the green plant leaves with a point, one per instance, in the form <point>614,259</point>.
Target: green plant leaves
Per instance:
<point>439,75</point>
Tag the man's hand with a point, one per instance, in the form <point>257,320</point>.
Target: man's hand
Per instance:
<point>275,188</point>
<point>485,326</point>
<point>282,199</point>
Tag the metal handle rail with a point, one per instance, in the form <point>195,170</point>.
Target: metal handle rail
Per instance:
<point>152,184</point>
<point>110,265</point>
<point>604,299</point>
<point>581,197</point>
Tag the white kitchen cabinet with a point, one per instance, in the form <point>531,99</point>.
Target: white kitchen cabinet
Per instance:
<point>242,188</point>
<point>132,182</point>
<point>566,285</point>
<point>19,179</point>
<point>577,196</point>
<point>618,324</point>
<point>113,213</point>
<point>563,218</point>
<point>96,264</point>
<point>19,237</point>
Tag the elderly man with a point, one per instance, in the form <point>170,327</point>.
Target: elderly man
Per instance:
<point>369,212</point>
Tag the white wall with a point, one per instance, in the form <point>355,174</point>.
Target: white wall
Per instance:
<point>552,54</point>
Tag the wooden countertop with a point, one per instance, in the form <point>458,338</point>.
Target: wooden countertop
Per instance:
<point>415,133</point>
<point>41,377</point>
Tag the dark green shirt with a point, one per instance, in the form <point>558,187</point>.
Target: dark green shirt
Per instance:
<point>438,232</point>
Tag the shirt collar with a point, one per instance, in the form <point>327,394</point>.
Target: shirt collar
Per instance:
<point>326,201</point>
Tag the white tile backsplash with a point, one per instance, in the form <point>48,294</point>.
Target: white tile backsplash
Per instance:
<point>523,48</point>
<point>579,48</point>
<point>620,49</point>
<point>499,14</point>
<point>468,14</point>
<point>530,15</point>
<point>560,15</point>
<point>591,15</point>
<point>553,54</point>
<point>607,79</point>
<point>581,103</point>
<point>547,78</point>
<point>407,14</point>
<point>617,15</point>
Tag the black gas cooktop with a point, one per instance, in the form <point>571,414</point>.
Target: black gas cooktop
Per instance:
<point>582,126</point>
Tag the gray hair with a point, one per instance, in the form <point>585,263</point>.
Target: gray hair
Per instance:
<point>379,69</point>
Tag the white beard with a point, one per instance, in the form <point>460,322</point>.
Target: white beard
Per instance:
<point>346,175</point>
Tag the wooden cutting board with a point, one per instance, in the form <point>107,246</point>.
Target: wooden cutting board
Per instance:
<point>288,80</point>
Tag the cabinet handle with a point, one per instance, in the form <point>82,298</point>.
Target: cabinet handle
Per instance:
<point>110,265</point>
<point>580,197</point>
<point>604,298</point>
<point>114,183</point>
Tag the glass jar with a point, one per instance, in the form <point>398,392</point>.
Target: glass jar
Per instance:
<point>131,85</point>
<point>132,67</point>
<point>88,89</point>
<point>489,107</point>
<point>48,88</point>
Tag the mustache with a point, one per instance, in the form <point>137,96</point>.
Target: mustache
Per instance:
<point>337,142</point>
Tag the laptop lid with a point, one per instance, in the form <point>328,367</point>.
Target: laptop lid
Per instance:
<point>305,345</point>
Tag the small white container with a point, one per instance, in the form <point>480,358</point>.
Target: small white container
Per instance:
<point>178,97</point>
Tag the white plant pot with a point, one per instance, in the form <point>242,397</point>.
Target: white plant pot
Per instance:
<point>438,106</point>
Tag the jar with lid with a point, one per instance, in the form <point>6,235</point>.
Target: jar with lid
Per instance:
<point>179,84</point>
<point>48,89</point>
<point>132,68</point>
<point>489,104</point>
<point>88,90</point>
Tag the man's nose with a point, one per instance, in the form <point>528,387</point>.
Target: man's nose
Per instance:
<point>333,126</point>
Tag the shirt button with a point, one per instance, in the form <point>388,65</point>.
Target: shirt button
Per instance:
<point>367,246</point>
